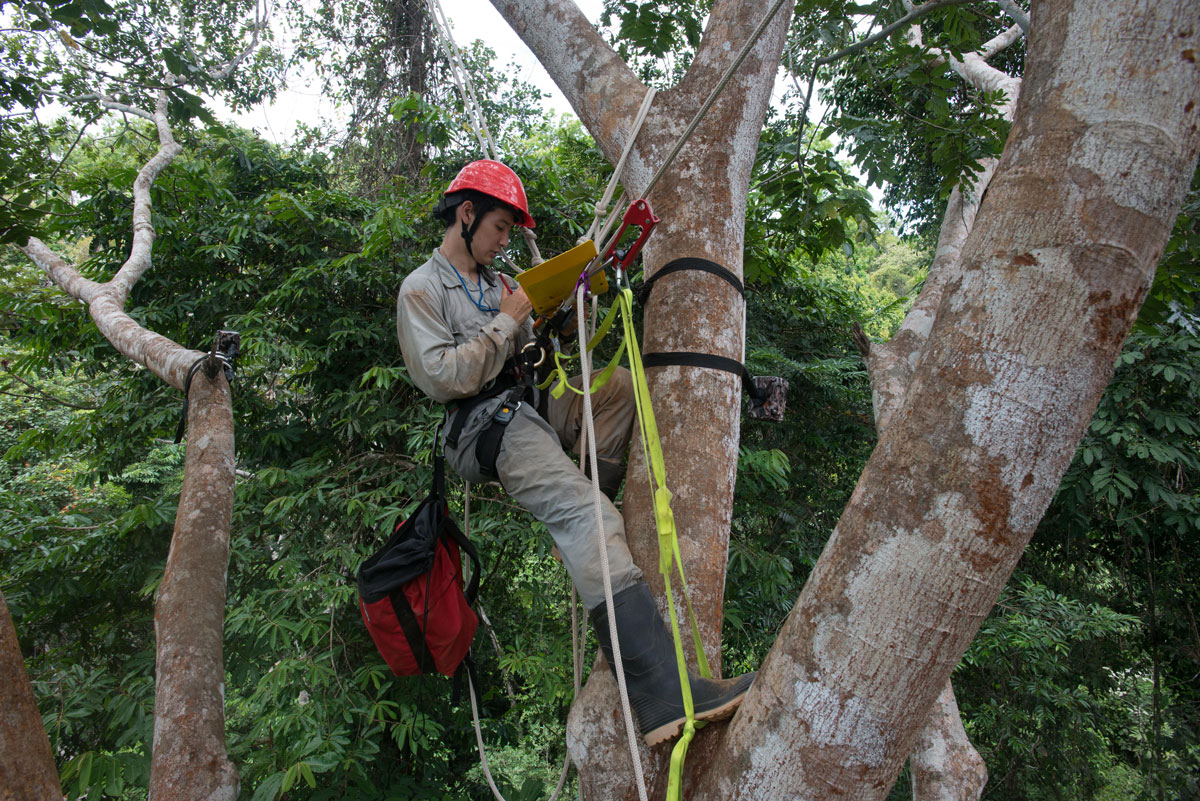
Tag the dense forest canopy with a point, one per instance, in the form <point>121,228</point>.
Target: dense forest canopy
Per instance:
<point>1083,683</point>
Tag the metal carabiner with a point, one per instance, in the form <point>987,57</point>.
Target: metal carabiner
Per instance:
<point>621,277</point>
<point>530,345</point>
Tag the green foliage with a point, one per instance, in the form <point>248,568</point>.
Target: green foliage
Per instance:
<point>910,124</point>
<point>1175,293</point>
<point>1036,693</point>
<point>795,477</point>
<point>657,39</point>
<point>332,443</point>
<point>804,204</point>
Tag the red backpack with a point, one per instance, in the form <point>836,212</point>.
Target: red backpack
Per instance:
<point>411,591</point>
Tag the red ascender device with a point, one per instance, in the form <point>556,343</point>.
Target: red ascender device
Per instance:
<point>640,214</point>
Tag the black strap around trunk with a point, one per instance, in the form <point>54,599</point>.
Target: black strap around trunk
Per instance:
<point>767,394</point>
<point>690,263</point>
<point>707,361</point>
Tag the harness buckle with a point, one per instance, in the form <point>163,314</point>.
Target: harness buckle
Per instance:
<point>505,412</point>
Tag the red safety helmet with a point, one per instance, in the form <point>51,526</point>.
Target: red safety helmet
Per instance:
<point>495,180</point>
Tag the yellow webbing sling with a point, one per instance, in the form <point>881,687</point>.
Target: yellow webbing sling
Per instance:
<point>664,519</point>
<point>668,540</point>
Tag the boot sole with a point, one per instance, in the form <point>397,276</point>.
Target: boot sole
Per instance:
<point>669,731</point>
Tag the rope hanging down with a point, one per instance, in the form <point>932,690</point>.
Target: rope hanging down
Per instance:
<point>606,573</point>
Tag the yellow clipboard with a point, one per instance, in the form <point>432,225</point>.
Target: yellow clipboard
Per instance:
<point>552,281</point>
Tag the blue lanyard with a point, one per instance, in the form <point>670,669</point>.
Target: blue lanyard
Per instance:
<point>478,285</point>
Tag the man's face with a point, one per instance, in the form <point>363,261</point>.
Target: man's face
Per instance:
<point>492,234</point>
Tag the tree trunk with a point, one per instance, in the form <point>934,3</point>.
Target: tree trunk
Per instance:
<point>945,766</point>
<point>1057,265</point>
<point>188,759</point>
<point>27,771</point>
<point>1023,344</point>
<point>189,698</point>
<point>703,213</point>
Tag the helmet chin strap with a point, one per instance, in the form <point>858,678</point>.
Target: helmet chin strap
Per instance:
<point>468,234</point>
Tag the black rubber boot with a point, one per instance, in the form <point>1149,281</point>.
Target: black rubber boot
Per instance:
<point>651,673</point>
<point>611,475</point>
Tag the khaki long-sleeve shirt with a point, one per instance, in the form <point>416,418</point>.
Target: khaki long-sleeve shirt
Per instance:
<point>451,347</point>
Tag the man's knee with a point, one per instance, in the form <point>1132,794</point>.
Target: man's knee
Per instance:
<point>619,389</point>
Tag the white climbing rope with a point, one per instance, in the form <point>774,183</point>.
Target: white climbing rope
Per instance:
<point>602,206</point>
<point>590,431</point>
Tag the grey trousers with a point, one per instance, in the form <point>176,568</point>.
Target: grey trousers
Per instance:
<point>535,471</point>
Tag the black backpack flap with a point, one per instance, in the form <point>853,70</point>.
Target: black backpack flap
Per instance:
<point>407,554</point>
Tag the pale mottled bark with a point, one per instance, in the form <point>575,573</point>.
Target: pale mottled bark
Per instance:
<point>27,770</point>
<point>106,302</point>
<point>1024,341</point>
<point>945,766</point>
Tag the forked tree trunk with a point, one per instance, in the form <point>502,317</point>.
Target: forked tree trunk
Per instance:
<point>701,201</point>
<point>27,770</point>
<point>188,760</point>
<point>1022,346</point>
<point>945,766</point>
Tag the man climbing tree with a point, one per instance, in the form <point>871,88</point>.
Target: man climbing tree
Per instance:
<point>837,706</point>
<point>464,332</point>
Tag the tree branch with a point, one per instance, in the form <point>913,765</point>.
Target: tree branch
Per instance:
<point>143,229</point>
<point>43,393</point>
<point>915,14</point>
<point>1017,13</point>
<point>600,86</point>
<point>26,761</point>
<point>227,69</point>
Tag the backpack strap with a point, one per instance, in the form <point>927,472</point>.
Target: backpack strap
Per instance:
<point>439,465</point>
<point>452,531</point>
<point>412,630</point>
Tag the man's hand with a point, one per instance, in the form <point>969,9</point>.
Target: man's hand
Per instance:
<point>516,306</point>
